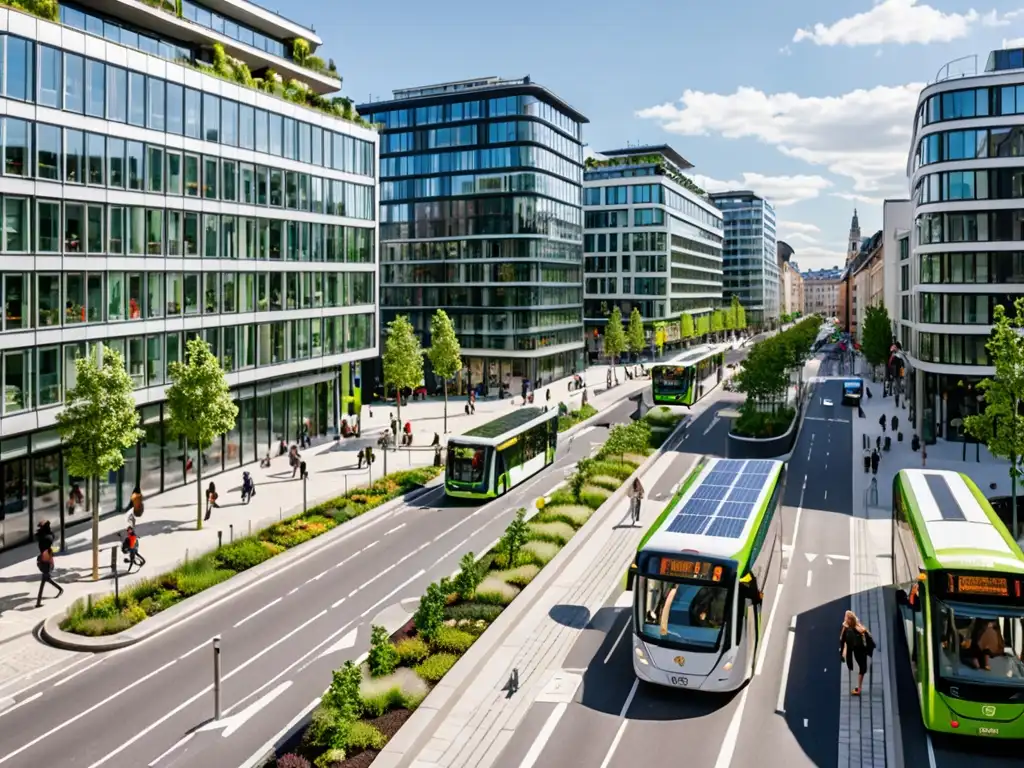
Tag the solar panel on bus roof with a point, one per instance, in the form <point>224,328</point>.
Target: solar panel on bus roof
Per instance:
<point>711,492</point>
<point>735,510</point>
<point>750,481</point>
<point>724,502</point>
<point>732,466</point>
<point>744,495</point>
<point>699,507</point>
<point>726,527</point>
<point>689,523</point>
<point>758,468</point>
<point>719,478</point>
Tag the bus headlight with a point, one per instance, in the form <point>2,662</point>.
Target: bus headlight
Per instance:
<point>641,656</point>
<point>727,666</point>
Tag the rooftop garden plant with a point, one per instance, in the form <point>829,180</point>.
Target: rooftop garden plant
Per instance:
<point>662,167</point>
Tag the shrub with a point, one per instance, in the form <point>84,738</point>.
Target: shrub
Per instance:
<point>606,481</point>
<point>663,416</point>
<point>436,667</point>
<point>403,688</point>
<point>495,591</point>
<point>572,514</point>
<point>626,438</point>
<point>451,640</point>
<point>330,758</point>
<point>193,584</point>
<point>326,728</point>
<point>557,533</point>
<point>516,535</point>
<point>412,651</point>
<point>469,576</point>
<point>243,554</point>
<point>142,590</point>
<point>593,496</point>
<point>518,577</point>
<point>561,496</point>
<point>291,760</point>
<point>345,692</point>
<point>610,468</point>
<point>472,612</point>
<point>541,551</point>
<point>383,658</point>
<point>429,615</point>
<point>362,736</point>
<point>755,423</point>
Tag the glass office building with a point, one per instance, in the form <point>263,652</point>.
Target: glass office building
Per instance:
<point>652,241</point>
<point>751,255</point>
<point>146,202</point>
<point>481,215</point>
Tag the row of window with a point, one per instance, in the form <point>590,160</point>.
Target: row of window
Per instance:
<point>59,79</point>
<point>498,340</point>
<point>972,102</point>
<point>70,227</point>
<point>473,109</point>
<point>39,377</point>
<point>947,146</point>
<point>682,276</point>
<point>75,157</point>
<point>468,322</point>
<point>990,184</point>
<point>116,32</point>
<point>481,184</point>
<point>50,299</point>
<point>999,267</point>
<point>654,262</point>
<point>630,241</point>
<point>953,350</point>
<point>505,272</point>
<point>519,156</point>
<point>648,193</point>
<point>640,286</point>
<point>498,249</point>
<point>961,309</point>
<point>485,297</point>
<point>503,215</point>
<point>976,226</point>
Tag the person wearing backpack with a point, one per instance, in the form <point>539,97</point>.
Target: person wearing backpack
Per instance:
<point>855,643</point>
<point>130,547</point>
<point>45,565</point>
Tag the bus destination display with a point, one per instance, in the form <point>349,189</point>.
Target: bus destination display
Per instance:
<point>690,569</point>
<point>988,586</point>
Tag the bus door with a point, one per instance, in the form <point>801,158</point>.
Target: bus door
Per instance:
<point>750,603</point>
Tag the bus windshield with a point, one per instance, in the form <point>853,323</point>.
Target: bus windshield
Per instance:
<point>980,644</point>
<point>670,378</point>
<point>466,464</point>
<point>691,615</point>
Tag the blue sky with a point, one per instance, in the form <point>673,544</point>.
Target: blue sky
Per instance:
<point>809,103</point>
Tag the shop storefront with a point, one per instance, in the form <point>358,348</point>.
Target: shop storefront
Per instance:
<point>948,400</point>
<point>36,485</point>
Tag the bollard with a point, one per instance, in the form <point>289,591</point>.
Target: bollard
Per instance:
<point>280,514</point>
<point>231,532</point>
<point>250,527</point>
<point>216,677</point>
<point>220,539</point>
<point>346,485</point>
<point>113,567</point>
<point>186,554</point>
<point>305,477</point>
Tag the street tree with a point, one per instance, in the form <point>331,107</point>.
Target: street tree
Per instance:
<point>739,313</point>
<point>635,333</point>
<point>876,336</point>
<point>1000,424</point>
<point>445,353</point>
<point>403,359</point>
<point>686,328</point>
<point>98,424</point>
<point>614,338</point>
<point>717,321</point>
<point>703,325</point>
<point>199,405</point>
<point>730,318</point>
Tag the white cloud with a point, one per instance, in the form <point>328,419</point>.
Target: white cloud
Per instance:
<point>798,227</point>
<point>786,50</point>
<point>863,135</point>
<point>1015,42</point>
<point>901,22</point>
<point>780,190</point>
<point>798,236</point>
<point>865,199</point>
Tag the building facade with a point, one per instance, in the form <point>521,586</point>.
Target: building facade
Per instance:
<point>791,283</point>
<point>821,291</point>
<point>147,202</point>
<point>751,268</point>
<point>967,245</point>
<point>864,283</point>
<point>481,215</point>
<point>652,241</point>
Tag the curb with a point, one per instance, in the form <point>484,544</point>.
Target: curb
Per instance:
<point>412,734</point>
<point>52,634</point>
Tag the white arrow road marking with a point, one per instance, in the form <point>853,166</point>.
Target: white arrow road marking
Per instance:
<point>838,557</point>
<point>233,723</point>
<point>810,556</point>
<point>346,642</point>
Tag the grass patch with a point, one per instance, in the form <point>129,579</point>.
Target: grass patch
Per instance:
<point>607,482</point>
<point>148,597</point>
<point>542,551</point>
<point>571,514</point>
<point>557,533</point>
<point>620,470</point>
<point>472,612</point>
<point>518,577</point>
<point>436,667</point>
<point>452,640</point>
<point>412,651</point>
<point>571,419</point>
<point>594,496</point>
<point>494,591</point>
<point>402,688</point>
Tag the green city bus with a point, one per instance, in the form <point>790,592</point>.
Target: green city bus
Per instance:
<point>701,575</point>
<point>493,458</point>
<point>687,378</point>
<point>959,580</point>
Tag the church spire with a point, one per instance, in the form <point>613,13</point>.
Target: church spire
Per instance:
<point>854,239</point>
<point>855,223</point>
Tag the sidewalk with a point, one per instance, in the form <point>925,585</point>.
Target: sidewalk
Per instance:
<point>868,732</point>
<point>168,531</point>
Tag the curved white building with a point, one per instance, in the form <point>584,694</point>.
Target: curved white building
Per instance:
<point>966,170</point>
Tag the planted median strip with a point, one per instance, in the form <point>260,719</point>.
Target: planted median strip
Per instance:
<point>367,704</point>
<point>148,597</point>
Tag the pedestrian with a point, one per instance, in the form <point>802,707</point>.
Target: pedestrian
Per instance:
<point>874,462</point>
<point>45,565</point>
<point>878,443</point>
<point>293,459</point>
<point>472,403</point>
<point>867,460</point>
<point>130,547</point>
<point>265,461</point>
<point>44,536</point>
<point>211,499</point>
<point>75,498</point>
<point>136,505</point>
<point>855,643</point>
<point>360,456</point>
<point>895,422</point>
<point>881,422</point>
<point>302,470</point>
<point>547,396</point>
<point>636,497</point>
<point>407,433</point>
<point>394,427</point>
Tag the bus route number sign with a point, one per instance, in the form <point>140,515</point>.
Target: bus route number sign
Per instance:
<point>997,586</point>
<point>690,569</point>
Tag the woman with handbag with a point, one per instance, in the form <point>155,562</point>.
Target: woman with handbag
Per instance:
<point>855,643</point>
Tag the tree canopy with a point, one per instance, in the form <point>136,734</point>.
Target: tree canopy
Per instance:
<point>686,327</point>
<point>739,313</point>
<point>445,352</point>
<point>403,356</point>
<point>614,335</point>
<point>717,321</point>
<point>876,335</point>
<point>730,318</point>
<point>635,332</point>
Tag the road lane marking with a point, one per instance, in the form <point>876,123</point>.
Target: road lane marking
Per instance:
<point>84,657</point>
<point>369,547</point>
<point>396,528</point>
<point>615,645</point>
<point>273,645</point>
<point>204,644</point>
<point>257,757</point>
<point>768,629</point>
<point>394,591</point>
<point>931,750</point>
<point>86,712</point>
<point>73,675</point>
<point>732,735</point>
<point>545,734</point>
<point>21,704</point>
<point>622,725</point>
<point>293,591</point>
<point>180,743</point>
<point>810,575</point>
<point>257,612</point>
<point>780,704</point>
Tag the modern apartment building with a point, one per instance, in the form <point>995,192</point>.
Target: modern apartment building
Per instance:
<point>821,291</point>
<point>146,201</point>
<point>751,260</point>
<point>480,211</point>
<point>653,241</point>
<point>965,172</point>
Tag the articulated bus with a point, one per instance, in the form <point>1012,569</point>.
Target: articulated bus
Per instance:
<point>687,378</point>
<point>959,577</point>
<point>701,574</point>
<point>491,459</point>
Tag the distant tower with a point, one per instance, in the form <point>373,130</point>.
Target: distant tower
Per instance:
<point>854,237</point>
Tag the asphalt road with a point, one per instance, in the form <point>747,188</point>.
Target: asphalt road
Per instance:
<point>617,722</point>
<point>151,704</point>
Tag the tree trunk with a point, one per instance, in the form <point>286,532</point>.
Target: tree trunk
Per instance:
<point>445,406</point>
<point>199,486</point>
<point>1013,496</point>
<point>398,404</point>
<point>95,481</point>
